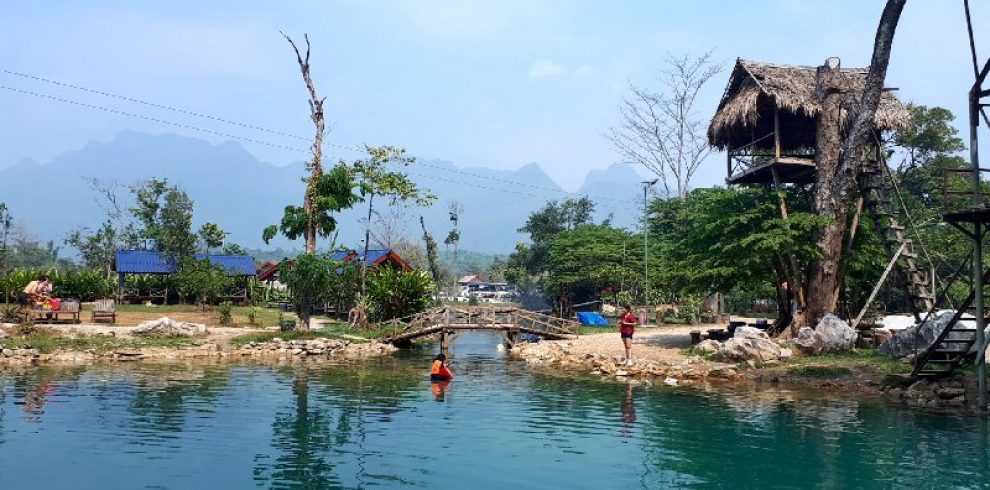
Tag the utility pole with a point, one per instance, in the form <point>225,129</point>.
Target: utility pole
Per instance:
<point>974,157</point>
<point>647,184</point>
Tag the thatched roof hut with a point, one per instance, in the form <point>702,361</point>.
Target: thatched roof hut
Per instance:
<point>755,90</point>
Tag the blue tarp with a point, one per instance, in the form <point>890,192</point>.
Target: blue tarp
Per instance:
<point>591,318</point>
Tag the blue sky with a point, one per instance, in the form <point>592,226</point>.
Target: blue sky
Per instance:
<point>493,84</point>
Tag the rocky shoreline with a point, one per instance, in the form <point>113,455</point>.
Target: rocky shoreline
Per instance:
<point>561,357</point>
<point>310,349</point>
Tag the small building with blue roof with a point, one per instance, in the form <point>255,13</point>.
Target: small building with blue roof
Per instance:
<point>153,263</point>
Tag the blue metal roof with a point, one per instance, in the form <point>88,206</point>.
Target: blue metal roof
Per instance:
<point>235,265</point>
<point>375,254</point>
<point>142,262</point>
<point>340,255</point>
<point>152,262</point>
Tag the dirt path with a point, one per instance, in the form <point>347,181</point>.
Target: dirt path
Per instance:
<point>663,344</point>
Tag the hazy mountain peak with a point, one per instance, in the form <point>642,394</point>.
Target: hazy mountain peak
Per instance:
<point>232,188</point>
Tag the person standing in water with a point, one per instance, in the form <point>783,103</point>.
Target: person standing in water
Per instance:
<point>627,325</point>
<point>439,370</point>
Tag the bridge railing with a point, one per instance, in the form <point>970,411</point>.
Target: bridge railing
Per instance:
<point>461,317</point>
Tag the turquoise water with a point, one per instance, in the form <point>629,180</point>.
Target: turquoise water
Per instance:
<point>498,425</point>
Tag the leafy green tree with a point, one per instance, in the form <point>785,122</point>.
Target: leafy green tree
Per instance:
<point>165,213</point>
<point>211,235</point>
<point>310,278</point>
<point>585,260</point>
<point>201,280</point>
<point>330,193</point>
<point>234,249</point>
<point>717,239</point>
<point>454,236</point>
<point>395,186</point>
<point>555,217</point>
<point>96,249</point>
<point>431,254</point>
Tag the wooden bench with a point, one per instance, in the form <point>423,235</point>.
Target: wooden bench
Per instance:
<point>68,312</point>
<point>104,310</point>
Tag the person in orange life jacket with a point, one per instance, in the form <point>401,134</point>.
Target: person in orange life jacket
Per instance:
<point>627,325</point>
<point>439,371</point>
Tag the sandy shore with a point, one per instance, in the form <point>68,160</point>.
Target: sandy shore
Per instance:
<point>660,344</point>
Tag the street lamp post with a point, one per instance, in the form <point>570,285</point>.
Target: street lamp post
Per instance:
<point>647,184</point>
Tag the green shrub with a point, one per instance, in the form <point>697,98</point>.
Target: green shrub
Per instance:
<point>85,285</point>
<point>393,293</point>
<point>225,310</point>
<point>252,315</point>
<point>311,279</point>
<point>201,280</point>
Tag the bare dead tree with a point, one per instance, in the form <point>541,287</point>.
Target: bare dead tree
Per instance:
<point>316,164</point>
<point>840,149</point>
<point>659,129</point>
<point>391,227</point>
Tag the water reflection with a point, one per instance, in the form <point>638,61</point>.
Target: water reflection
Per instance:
<point>439,390</point>
<point>628,411</point>
<point>375,424</point>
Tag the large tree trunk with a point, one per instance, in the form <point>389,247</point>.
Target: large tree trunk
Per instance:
<point>316,164</point>
<point>832,181</point>
<point>838,160</point>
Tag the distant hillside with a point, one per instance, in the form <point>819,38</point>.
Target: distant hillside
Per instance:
<point>233,188</point>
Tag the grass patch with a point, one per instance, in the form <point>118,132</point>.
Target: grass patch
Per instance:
<point>857,358</point>
<point>341,328</point>
<point>814,371</point>
<point>593,329</point>
<point>264,317</point>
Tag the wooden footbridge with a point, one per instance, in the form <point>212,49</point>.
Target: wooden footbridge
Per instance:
<point>447,319</point>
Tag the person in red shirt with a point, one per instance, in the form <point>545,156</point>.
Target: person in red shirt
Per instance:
<point>627,325</point>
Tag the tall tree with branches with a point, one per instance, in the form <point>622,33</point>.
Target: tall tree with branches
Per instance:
<point>844,126</point>
<point>454,237</point>
<point>315,165</point>
<point>660,130</point>
<point>376,180</point>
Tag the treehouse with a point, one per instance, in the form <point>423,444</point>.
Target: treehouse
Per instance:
<point>767,120</point>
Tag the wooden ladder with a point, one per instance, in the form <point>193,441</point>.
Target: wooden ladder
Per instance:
<point>876,197</point>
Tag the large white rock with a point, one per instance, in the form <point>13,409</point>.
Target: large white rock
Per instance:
<point>750,332</point>
<point>920,338</point>
<point>831,335</point>
<point>708,345</point>
<point>745,348</point>
<point>166,327</point>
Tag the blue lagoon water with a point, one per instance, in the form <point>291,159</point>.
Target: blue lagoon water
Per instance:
<point>498,425</point>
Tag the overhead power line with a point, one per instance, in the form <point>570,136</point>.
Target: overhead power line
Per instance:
<point>147,118</point>
<point>247,126</point>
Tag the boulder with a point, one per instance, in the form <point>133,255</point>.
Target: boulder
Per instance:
<point>166,327</point>
<point>708,346</point>
<point>750,332</point>
<point>808,343</point>
<point>831,335</point>
<point>917,338</point>
<point>746,348</point>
